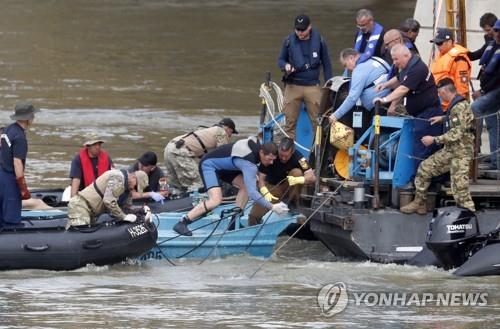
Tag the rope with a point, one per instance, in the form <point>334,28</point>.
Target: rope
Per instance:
<point>298,229</point>
<point>266,96</point>
<point>265,221</point>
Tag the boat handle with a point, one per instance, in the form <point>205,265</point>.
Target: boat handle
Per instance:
<point>94,244</point>
<point>35,248</point>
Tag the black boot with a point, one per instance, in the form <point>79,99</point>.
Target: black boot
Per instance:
<point>181,227</point>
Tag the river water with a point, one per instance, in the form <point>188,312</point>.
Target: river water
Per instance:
<point>138,73</point>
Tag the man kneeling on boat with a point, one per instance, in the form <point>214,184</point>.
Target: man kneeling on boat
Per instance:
<point>110,193</point>
<point>237,164</point>
<point>287,174</point>
<point>455,156</point>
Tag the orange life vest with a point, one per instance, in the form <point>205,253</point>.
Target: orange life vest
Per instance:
<point>455,64</point>
<point>87,168</point>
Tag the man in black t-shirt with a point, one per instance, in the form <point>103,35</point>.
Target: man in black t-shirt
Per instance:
<point>148,163</point>
<point>287,174</point>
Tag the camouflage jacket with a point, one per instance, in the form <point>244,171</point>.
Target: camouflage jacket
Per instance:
<point>112,186</point>
<point>459,127</point>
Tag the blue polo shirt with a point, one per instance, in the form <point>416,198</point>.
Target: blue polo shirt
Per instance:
<point>18,147</point>
<point>365,77</point>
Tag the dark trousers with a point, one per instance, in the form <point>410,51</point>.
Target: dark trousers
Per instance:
<point>423,128</point>
<point>10,199</point>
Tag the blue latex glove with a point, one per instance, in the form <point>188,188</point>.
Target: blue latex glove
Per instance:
<point>156,196</point>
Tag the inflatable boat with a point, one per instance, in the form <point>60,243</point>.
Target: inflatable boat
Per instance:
<point>182,202</point>
<point>46,244</point>
<point>455,240</point>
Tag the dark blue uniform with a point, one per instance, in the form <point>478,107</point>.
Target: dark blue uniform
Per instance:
<point>13,145</point>
<point>422,102</point>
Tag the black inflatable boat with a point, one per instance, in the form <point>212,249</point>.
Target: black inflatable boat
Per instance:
<point>182,202</point>
<point>45,244</point>
<point>455,240</point>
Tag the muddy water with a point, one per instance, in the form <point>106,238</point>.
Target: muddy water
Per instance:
<point>138,73</point>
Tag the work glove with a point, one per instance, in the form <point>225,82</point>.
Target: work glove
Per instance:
<point>280,208</point>
<point>147,212</point>
<point>130,218</point>
<point>292,180</point>
<point>267,195</point>
<point>25,194</point>
<point>156,196</point>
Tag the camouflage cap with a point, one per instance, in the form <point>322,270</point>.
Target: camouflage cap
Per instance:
<point>142,180</point>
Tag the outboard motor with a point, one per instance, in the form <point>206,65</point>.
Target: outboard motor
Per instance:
<point>451,236</point>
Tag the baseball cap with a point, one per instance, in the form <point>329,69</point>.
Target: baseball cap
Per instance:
<point>230,123</point>
<point>302,22</point>
<point>442,35</point>
<point>142,180</point>
<point>445,82</point>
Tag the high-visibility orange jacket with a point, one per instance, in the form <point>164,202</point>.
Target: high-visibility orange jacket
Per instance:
<point>455,64</point>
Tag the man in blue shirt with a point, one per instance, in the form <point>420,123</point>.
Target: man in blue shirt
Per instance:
<point>487,99</point>
<point>303,53</point>
<point>236,164</point>
<point>365,76</point>
<point>13,151</point>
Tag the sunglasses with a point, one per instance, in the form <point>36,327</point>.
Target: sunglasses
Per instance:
<point>300,30</point>
<point>439,44</point>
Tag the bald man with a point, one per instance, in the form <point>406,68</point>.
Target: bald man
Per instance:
<point>395,37</point>
<point>415,85</point>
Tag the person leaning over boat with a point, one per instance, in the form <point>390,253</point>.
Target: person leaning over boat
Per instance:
<point>365,76</point>
<point>90,162</point>
<point>182,154</point>
<point>455,156</point>
<point>415,85</point>
<point>109,193</point>
<point>487,99</point>
<point>303,53</point>
<point>236,164</point>
<point>451,62</point>
<point>13,152</point>
<point>288,173</point>
<point>147,163</point>
<point>370,35</point>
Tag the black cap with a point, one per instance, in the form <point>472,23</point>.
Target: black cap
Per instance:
<point>302,22</point>
<point>230,123</point>
<point>442,35</point>
<point>148,159</point>
<point>445,82</point>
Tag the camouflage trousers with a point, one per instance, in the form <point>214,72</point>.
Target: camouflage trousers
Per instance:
<point>444,160</point>
<point>182,167</point>
<point>79,212</point>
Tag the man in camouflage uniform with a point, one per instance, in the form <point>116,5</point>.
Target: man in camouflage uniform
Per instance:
<point>455,156</point>
<point>109,193</point>
<point>183,153</point>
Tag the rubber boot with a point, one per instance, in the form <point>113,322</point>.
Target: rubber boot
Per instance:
<point>416,206</point>
<point>181,227</point>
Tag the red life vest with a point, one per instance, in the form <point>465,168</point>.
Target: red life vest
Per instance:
<point>87,168</point>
